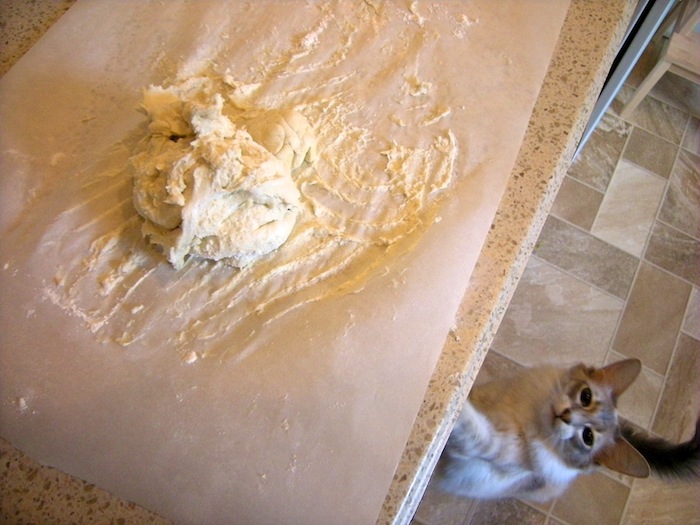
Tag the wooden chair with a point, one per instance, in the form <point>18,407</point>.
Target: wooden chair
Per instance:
<point>680,54</point>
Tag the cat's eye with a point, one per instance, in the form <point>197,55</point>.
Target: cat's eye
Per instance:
<point>586,397</point>
<point>587,436</point>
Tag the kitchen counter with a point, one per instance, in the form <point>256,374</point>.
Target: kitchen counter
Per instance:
<point>587,45</point>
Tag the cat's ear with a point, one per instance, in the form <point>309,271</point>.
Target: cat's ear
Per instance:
<point>619,376</point>
<point>623,458</point>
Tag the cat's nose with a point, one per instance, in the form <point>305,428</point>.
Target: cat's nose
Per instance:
<point>565,416</point>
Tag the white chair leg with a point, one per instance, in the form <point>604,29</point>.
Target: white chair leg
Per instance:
<point>649,81</point>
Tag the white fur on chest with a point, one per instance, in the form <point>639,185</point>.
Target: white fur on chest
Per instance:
<point>546,476</point>
<point>487,464</point>
<point>554,472</point>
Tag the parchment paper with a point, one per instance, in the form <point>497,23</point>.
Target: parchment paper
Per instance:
<point>309,427</point>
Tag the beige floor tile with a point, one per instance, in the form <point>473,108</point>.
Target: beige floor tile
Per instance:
<point>638,403</point>
<point>652,318</point>
<point>440,508</point>
<point>654,116</point>
<point>650,152</point>
<point>628,209</point>
<point>616,476</point>
<point>592,499</point>
<point>691,325</point>
<point>545,508</point>
<point>506,512</point>
<point>596,162</point>
<point>678,92</point>
<point>691,140</point>
<point>586,257</point>
<point>675,252</point>
<point>557,319</point>
<point>496,365</point>
<point>681,205</point>
<point>656,502</point>
<point>680,401</point>
<point>577,203</point>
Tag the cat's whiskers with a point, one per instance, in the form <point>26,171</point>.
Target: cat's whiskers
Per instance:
<point>552,440</point>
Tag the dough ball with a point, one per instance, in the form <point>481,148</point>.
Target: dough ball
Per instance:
<point>203,186</point>
<point>286,134</point>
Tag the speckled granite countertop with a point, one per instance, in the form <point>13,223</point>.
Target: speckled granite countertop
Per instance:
<point>587,46</point>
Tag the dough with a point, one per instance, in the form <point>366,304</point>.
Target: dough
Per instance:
<point>205,186</point>
<point>287,135</point>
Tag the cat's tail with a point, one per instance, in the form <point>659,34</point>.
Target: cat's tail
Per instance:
<point>666,459</point>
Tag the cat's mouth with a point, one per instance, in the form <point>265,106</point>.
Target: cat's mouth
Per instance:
<point>561,412</point>
<point>561,421</point>
<point>564,415</point>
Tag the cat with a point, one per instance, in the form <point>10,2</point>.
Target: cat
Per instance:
<point>529,436</point>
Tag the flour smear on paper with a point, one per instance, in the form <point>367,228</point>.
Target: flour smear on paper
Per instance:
<point>384,158</point>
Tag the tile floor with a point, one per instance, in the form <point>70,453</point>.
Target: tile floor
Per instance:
<point>615,274</point>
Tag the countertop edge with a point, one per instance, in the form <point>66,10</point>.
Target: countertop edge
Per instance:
<point>592,32</point>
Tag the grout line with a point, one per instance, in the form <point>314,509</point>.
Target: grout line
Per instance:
<point>647,170</point>
<point>671,361</point>
<point>686,134</point>
<point>686,131</point>
<point>507,358</point>
<point>627,143</point>
<point>642,260</point>
<point>579,279</point>
<point>568,223</point>
<point>584,183</point>
<point>677,229</point>
<point>471,513</point>
<point>594,236</point>
<point>608,113</point>
<point>686,314</point>
<point>671,104</point>
<point>689,116</point>
<point>657,219</point>
<point>659,207</point>
<point>691,336</point>
<point>648,370</point>
<point>652,132</point>
<point>622,312</point>
<point>627,504</point>
<point>580,229</point>
<point>625,300</point>
<point>548,513</point>
<point>669,272</point>
<point>655,412</point>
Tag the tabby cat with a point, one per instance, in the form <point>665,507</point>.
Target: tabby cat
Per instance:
<point>530,435</point>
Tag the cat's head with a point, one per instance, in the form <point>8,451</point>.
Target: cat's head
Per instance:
<point>584,415</point>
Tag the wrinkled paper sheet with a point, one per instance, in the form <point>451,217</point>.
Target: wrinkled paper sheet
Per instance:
<point>307,421</point>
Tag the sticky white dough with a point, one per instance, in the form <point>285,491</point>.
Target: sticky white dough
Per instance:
<point>205,186</point>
